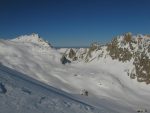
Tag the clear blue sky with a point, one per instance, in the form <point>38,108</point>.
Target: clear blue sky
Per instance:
<point>74,22</point>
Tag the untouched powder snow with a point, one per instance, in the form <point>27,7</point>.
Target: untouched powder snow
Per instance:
<point>105,79</point>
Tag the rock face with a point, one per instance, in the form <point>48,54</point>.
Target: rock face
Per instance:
<point>124,48</point>
<point>142,68</point>
<point>92,48</point>
<point>116,52</point>
<point>72,54</point>
<point>64,60</point>
<point>127,47</point>
<point>83,54</point>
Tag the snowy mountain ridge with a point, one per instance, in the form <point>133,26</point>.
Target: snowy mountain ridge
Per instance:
<point>134,43</point>
<point>102,71</point>
<point>124,48</point>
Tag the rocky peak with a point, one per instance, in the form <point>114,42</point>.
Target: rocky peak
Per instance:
<point>125,48</point>
<point>127,37</point>
<point>94,46</point>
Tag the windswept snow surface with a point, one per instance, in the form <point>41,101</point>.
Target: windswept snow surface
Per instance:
<point>26,95</point>
<point>105,79</point>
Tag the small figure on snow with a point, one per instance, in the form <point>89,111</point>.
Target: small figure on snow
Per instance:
<point>84,92</point>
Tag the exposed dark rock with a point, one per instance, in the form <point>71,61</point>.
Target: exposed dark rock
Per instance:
<point>142,68</point>
<point>64,60</point>
<point>2,88</point>
<point>75,58</point>
<point>128,37</point>
<point>72,53</point>
<point>122,54</point>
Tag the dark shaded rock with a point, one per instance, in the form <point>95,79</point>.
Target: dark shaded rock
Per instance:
<point>64,60</point>
<point>72,53</point>
<point>2,88</point>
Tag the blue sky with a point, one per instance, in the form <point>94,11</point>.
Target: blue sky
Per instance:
<point>74,22</point>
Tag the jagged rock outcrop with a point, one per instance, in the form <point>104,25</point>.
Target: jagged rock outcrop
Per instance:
<point>142,68</point>
<point>83,54</point>
<point>127,47</point>
<point>94,47</point>
<point>116,51</point>
<point>72,55</point>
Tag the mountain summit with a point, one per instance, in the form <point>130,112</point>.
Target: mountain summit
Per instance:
<point>33,38</point>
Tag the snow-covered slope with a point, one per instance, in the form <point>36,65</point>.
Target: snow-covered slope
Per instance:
<point>33,38</point>
<point>21,94</point>
<point>104,78</point>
